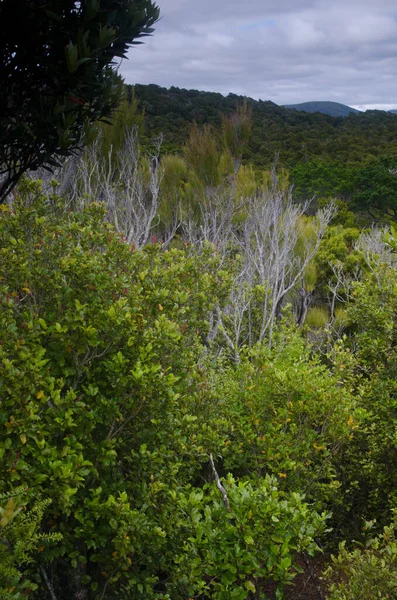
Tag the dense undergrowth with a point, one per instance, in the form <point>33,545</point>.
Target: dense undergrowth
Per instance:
<point>122,402</point>
<point>198,381</point>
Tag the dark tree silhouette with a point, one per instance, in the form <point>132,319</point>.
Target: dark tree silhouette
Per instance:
<point>57,74</point>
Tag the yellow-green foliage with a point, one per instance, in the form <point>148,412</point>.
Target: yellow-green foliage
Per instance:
<point>282,176</point>
<point>369,572</point>
<point>310,277</point>
<point>246,184</point>
<point>175,172</point>
<point>236,130</point>
<point>173,185</point>
<point>20,542</point>
<point>226,167</point>
<point>306,234</point>
<point>341,317</point>
<point>390,237</point>
<point>338,244</point>
<point>317,317</point>
<point>202,155</point>
<point>124,118</point>
<point>214,155</point>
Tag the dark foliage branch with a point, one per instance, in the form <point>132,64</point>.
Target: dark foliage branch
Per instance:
<point>57,74</point>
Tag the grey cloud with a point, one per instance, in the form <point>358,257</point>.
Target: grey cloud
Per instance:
<point>286,51</point>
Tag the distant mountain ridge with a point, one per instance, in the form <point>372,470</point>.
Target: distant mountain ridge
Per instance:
<point>334,109</point>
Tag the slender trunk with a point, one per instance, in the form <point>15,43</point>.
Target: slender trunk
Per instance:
<point>8,185</point>
<point>304,305</point>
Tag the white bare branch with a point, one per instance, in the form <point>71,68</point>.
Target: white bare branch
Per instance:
<point>219,485</point>
<point>128,182</point>
<point>269,243</point>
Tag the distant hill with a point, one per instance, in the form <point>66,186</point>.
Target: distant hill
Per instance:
<point>295,136</point>
<point>334,109</point>
<point>394,111</point>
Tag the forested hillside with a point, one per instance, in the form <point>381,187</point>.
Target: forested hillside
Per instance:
<point>294,135</point>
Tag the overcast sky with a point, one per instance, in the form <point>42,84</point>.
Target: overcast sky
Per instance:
<point>287,51</point>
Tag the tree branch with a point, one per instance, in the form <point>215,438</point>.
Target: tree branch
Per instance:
<point>48,584</point>
<point>219,485</point>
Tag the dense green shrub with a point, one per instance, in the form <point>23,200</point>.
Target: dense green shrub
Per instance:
<point>113,399</point>
<point>99,346</point>
<point>293,416</point>
<point>366,572</point>
<point>367,469</point>
<point>108,408</point>
<point>232,554</point>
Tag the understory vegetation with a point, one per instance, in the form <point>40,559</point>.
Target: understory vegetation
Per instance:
<point>198,389</point>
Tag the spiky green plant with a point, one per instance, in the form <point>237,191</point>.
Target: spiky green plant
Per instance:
<point>317,317</point>
<point>20,543</point>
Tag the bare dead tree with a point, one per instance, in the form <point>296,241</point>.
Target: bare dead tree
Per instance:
<point>214,221</point>
<point>275,253</point>
<point>128,182</point>
<point>87,182</point>
<point>269,244</point>
<point>376,251</point>
<point>338,288</point>
<point>136,205</point>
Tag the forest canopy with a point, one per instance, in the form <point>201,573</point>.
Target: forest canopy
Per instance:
<point>295,136</point>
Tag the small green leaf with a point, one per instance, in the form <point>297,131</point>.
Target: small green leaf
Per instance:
<point>250,586</point>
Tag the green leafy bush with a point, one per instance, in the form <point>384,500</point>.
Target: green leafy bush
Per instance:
<point>99,353</point>
<point>113,400</point>
<point>232,554</point>
<point>20,541</point>
<point>367,469</point>
<point>289,417</point>
<point>366,572</point>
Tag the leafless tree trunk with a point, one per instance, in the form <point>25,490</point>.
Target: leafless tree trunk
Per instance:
<point>304,303</point>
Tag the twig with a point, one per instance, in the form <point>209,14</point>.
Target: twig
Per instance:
<point>313,576</point>
<point>219,485</point>
<point>106,584</point>
<point>48,584</point>
<point>104,589</point>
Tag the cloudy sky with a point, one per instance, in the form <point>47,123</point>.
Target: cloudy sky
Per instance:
<point>287,51</point>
